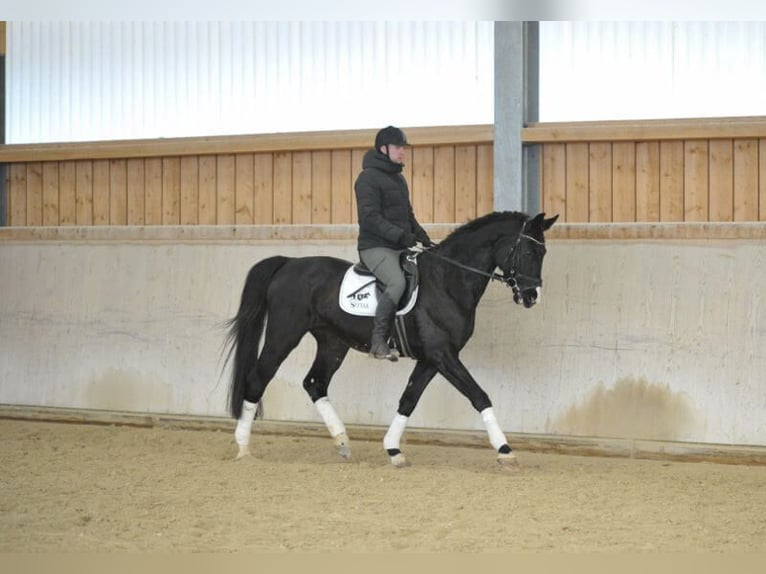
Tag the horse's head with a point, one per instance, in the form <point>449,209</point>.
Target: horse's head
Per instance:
<point>522,260</point>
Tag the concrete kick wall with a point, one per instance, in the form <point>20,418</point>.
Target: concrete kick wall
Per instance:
<point>633,338</point>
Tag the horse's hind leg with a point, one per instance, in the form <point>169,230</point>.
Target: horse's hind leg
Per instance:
<point>329,357</point>
<point>277,345</point>
<point>419,379</point>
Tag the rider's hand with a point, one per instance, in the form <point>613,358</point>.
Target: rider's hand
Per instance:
<point>408,239</point>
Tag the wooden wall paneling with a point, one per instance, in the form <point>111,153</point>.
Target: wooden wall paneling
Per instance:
<point>84,192</point>
<point>721,180</point>
<point>422,184</point>
<point>153,191</point>
<point>225,190</point>
<point>67,193</point>
<point>301,187</point>
<point>208,204</point>
<point>624,181</point>
<point>118,192</point>
<point>696,180</point>
<point>762,179</point>
<point>321,187</point>
<point>34,193</point>
<point>465,183</point>
<point>485,179</point>
<point>444,184</point>
<point>51,193</point>
<point>171,191</point>
<point>244,190</point>
<point>577,177</point>
<point>283,188</point>
<point>553,176</point>
<point>600,182</point>
<point>671,181</point>
<point>189,190</point>
<point>101,192</point>
<point>136,192</point>
<point>648,181</point>
<point>746,180</point>
<point>342,186</point>
<point>17,195</point>
<point>263,188</point>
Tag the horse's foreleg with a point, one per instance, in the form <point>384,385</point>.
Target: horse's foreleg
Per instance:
<point>419,379</point>
<point>455,372</point>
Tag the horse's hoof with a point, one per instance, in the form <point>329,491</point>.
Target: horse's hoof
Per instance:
<point>508,462</point>
<point>244,451</point>
<point>341,443</point>
<point>399,461</point>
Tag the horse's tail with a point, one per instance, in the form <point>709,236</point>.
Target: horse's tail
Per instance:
<point>246,327</point>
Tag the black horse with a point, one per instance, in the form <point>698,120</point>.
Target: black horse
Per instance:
<point>453,277</point>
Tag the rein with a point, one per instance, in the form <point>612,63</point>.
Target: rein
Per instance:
<point>509,281</point>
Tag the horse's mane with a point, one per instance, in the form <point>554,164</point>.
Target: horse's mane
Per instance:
<point>485,221</point>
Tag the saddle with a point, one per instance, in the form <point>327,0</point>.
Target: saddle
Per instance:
<point>359,289</point>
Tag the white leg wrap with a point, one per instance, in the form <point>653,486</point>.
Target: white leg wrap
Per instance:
<point>330,417</point>
<point>496,435</point>
<point>395,432</point>
<point>245,423</point>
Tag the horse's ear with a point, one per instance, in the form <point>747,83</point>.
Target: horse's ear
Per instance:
<point>548,223</point>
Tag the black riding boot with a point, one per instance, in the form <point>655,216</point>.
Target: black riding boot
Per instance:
<point>381,327</point>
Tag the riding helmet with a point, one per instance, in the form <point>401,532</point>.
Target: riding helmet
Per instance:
<point>390,136</point>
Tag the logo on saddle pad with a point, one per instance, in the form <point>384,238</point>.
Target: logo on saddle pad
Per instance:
<point>358,294</point>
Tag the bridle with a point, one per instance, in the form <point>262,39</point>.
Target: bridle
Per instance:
<point>514,256</point>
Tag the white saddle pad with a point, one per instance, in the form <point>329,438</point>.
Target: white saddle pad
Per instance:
<point>358,296</point>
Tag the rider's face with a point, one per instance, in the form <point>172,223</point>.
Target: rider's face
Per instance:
<point>395,152</point>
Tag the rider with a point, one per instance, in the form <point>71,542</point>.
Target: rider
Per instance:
<point>387,226</point>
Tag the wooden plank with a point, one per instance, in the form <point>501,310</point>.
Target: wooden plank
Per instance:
<point>721,180</point>
<point>422,184</point>
<point>208,174</point>
<point>189,190</point>
<point>696,181</point>
<point>153,191</point>
<point>136,191</point>
<point>746,180</point>
<point>263,188</point>
<point>225,190</point>
<point>101,192</point>
<point>342,186</point>
<point>67,193</point>
<point>554,180</point>
<point>648,181</point>
<point>84,192</point>
<point>671,181</point>
<point>50,193</point>
<point>623,181</point>
<point>232,144</point>
<point>600,182</point>
<point>118,192</point>
<point>34,194</point>
<point>321,187</point>
<point>465,183</point>
<point>485,179</point>
<point>244,195</point>
<point>577,164</point>
<point>762,180</point>
<point>444,184</point>
<point>283,188</point>
<point>301,190</point>
<point>17,195</point>
<point>171,191</point>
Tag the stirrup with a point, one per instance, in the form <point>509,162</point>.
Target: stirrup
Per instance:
<point>391,354</point>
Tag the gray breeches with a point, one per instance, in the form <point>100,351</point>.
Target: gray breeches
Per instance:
<point>384,263</point>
